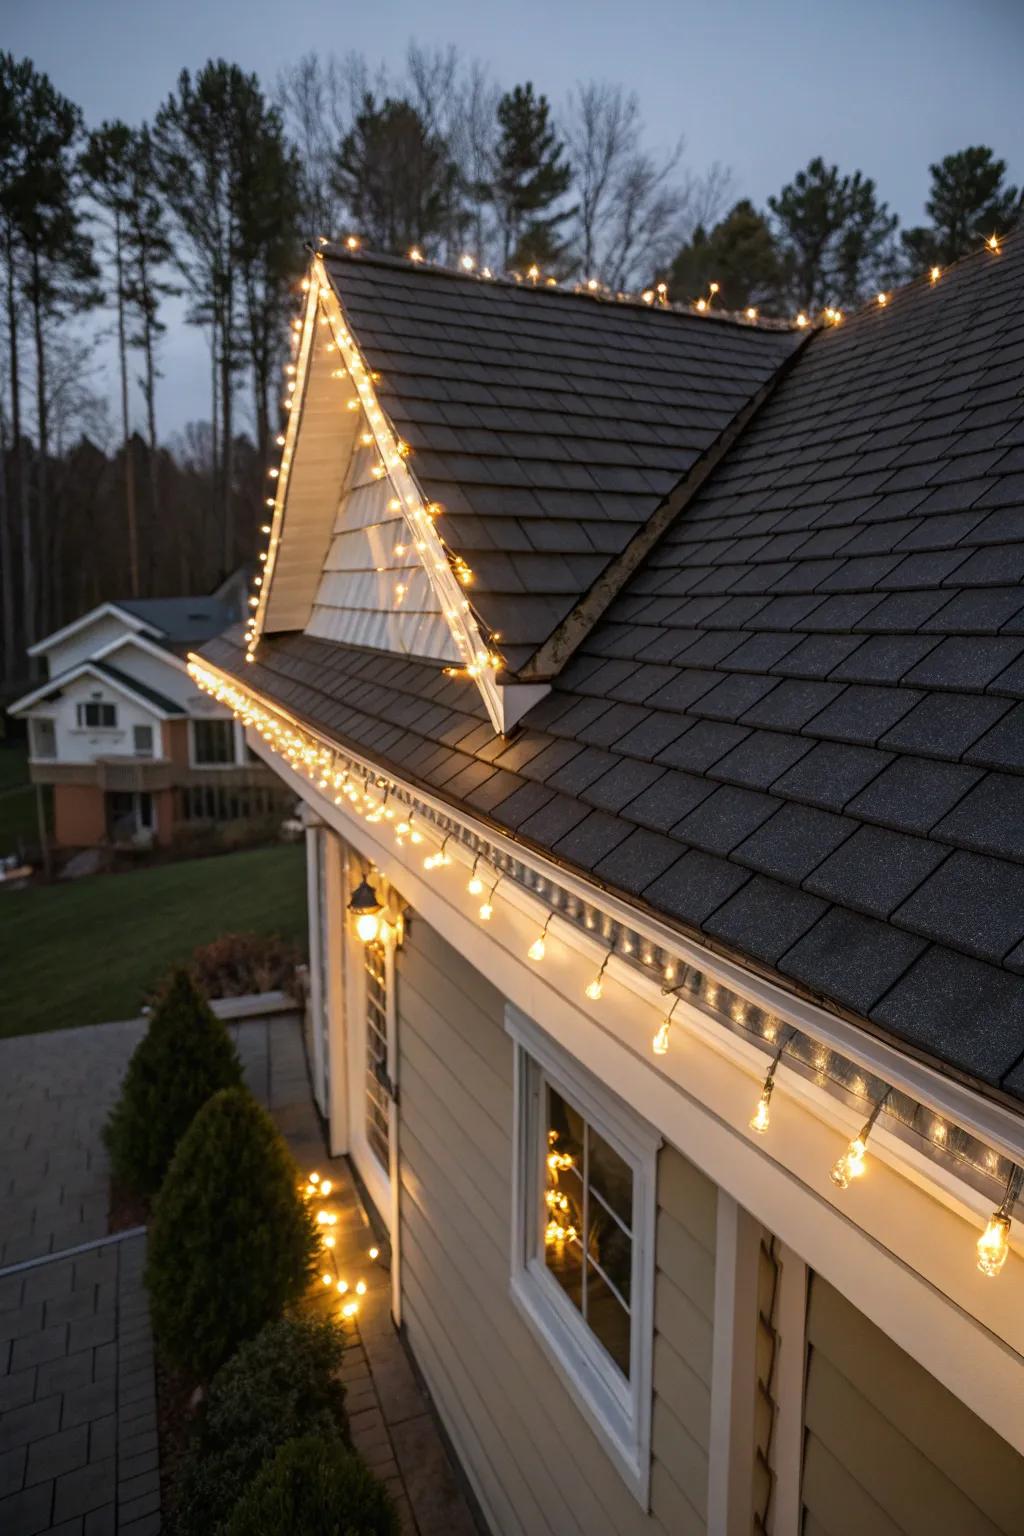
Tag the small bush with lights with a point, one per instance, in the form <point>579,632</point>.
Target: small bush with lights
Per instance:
<point>185,1057</point>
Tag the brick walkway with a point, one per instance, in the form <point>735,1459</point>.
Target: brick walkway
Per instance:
<point>78,1448</point>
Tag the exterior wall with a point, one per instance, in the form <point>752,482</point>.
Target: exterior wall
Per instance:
<point>75,744</point>
<point>536,1464</point>
<point>167,676</point>
<point>888,1449</point>
<point>79,816</point>
<point>176,743</point>
<point>84,643</point>
<point>164,818</point>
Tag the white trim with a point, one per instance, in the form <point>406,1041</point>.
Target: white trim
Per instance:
<point>787,1446</point>
<point>619,1411</point>
<point>376,1178</point>
<point>80,669</point>
<point>731,1446</point>
<point>394,1123</point>
<point>318,1002</point>
<point>109,609</point>
<point>337,1054</point>
<point>902,1253</point>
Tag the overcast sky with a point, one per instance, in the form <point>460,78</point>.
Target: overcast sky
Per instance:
<point>884,86</point>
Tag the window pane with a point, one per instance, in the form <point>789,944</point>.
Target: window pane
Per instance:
<point>214,741</point>
<point>377,1128</point>
<point>608,1319</point>
<point>611,1177</point>
<point>563,1195</point>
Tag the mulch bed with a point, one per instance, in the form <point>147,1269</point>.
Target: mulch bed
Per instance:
<point>125,1209</point>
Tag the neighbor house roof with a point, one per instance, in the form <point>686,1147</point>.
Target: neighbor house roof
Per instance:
<point>798,731</point>
<point>95,667</point>
<point>182,621</point>
<point>549,426</point>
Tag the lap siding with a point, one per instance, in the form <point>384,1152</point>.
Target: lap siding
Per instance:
<point>535,1462</point>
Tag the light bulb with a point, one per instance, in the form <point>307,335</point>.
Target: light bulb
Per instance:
<point>326,1187</point>
<point>594,990</point>
<point>475,886</point>
<point>850,1165</point>
<point>349,1309</point>
<point>660,1042</point>
<point>486,912</point>
<point>760,1120</point>
<point>342,1287</point>
<point>536,949</point>
<point>329,1241</point>
<point>935,274</point>
<point>994,1245</point>
<point>374,1253</point>
<point>360,1287</point>
<point>326,1279</point>
<point>368,927</point>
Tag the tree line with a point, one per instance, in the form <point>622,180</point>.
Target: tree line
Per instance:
<point>211,204</point>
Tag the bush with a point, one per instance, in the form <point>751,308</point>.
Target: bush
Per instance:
<point>239,963</point>
<point>315,1487</point>
<point>185,1058</point>
<point>280,1385</point>
<point>231,1241</point>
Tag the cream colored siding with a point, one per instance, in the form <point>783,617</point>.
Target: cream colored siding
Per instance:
<point>888,1450</point>
<point>764,1396</point>
<point>536,1464</point>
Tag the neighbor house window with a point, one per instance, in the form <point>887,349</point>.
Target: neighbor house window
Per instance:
<point>213,741</point>
<point>142,740</point>
<point>582,1263</point>
<point>43,737</point>
<point>97,717</point>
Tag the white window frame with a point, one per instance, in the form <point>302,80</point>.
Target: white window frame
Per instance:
<point>87,704</point>
<point>137,751</point>
<point>619,1412</point>
<point>37,724</point>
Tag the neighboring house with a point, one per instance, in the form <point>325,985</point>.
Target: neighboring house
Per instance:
<point>660,675</point>
<point>134,751</point>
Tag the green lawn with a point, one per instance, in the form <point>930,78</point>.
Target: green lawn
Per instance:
<point>87,951</point>
<point>19,816</point>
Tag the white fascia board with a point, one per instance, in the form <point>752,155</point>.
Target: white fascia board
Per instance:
<point>900,1250</point>
<point>102,610</point>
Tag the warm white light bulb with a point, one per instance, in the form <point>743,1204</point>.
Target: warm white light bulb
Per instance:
<point>994,1245</point>
<point>486,912</point>
<point>760,1120</point>
<point>594,990</point>
<point>536,949</point>
<point>360,1287</point>
<point>475,886</point>
<point>660,1042</point>
<point>850,1165</point>
<point>368,926</point>
<point>374,1253</point>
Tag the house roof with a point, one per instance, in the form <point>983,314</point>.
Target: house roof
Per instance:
<point>182,621</point>
<point>95,667</point>
<point>798,732</point>
<point>144,691</point>
<point>548,425</point>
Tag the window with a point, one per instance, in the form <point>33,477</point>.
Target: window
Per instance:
<point>44,737</point>
<point>213,742</point>
<point>97,717</point>
<point>142,740</point>
<point>583,1240</point>
<point>376,1084</point>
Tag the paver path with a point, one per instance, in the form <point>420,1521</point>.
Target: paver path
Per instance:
<point>78,1447</point>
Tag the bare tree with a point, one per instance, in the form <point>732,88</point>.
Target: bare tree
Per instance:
<point>635,207</point>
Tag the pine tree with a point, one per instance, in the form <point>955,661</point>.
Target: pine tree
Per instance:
<point>968,201</point>
<point>395,177</point>
<point>532,174</point>
<point>738,254</point>
<point>835,238</point>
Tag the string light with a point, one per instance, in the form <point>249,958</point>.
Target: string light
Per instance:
<point>537,948</point>
<point>306,754</point>
<point>993,242</point>
<point>994,1242</point>
<point>593,988</point>
<point>802,321</point>
<point>883,299</point>
<point>851,1164</point>
<point>415,254</point>
<point>935,274</point>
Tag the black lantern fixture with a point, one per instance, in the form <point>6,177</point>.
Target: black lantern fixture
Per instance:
<point>366,909</point>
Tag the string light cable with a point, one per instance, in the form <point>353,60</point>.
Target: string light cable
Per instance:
<point>850,1165</point>
<point>760,1120</point>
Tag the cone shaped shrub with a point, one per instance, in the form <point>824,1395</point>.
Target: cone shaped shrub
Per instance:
<point>231,1241</point>
<point>280,1385</point>
<point>185,1057</point>
<point>315,1486</point>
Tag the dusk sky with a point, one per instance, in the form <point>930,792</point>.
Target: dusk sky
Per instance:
<point>886,86</point>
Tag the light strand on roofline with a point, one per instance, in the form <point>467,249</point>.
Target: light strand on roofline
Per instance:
<point>374,796</point>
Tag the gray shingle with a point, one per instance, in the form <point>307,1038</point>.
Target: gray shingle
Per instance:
<point>622,783</point>
<point>831,774</point>
<point>875,870</point>
<point>945,725</point>
<point>765,918</point>
<point>990,818</point>
<point>913,793</point>
<point>665,801</point>
<point>851,958</point>
<point>1003,745</point>
<point>794,842</point>
<point>959,1010</point>
<point>725,818</point>
<point>695,886</point>
<point>638,860</point>
<point>703,745</point>
<point>862,714</point>
<point>971,902</point>
<point>592,839</point>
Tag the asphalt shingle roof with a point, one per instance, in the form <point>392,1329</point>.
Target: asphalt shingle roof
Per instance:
<point>798,731</point>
